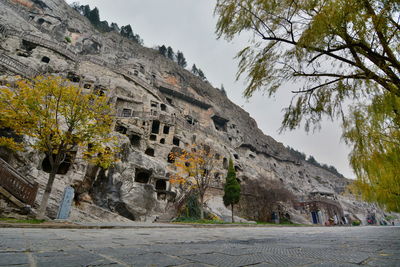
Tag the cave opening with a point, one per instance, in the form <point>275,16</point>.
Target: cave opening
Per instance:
<point>175,141</point>
<point>28,46</point>
<point>142,176</point>
<point>155,127</point>
<point>149,151</point>
<point>135,140</point>
<point>64,166</point>
<point>161,185</point>
<point>163,107</point>
<point>45,59</point>
<point>220,123</point>
<point>153,137</point>
<point>121,129</point>
<point>73,77</point>
<point>166,129</point>
<point>153,104</point>
<point>162,141</point>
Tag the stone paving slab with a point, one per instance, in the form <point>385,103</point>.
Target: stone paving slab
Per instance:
<point>383,262</point>
<point>200,247</point>
<point>7,259</point>
<point>333,264</point>
<point>70,258</point>
<point>154,260</point>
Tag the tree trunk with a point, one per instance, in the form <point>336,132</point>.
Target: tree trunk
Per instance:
<point>233,220</point>
<point>46,194</point>
<point>201,208</point>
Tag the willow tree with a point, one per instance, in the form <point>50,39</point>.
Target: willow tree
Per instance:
<point>59,119</point>
<point>343,52</point>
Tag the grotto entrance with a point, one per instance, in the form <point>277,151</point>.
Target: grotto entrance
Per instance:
<point>64,166</point>
<point>155,127</point>
<point>142,176</point>
<point>135,140</point>
<point>149,151</point>
<point>219,123</point>
<point>161,185</point>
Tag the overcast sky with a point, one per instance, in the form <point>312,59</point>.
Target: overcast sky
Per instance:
<point>189,26</point>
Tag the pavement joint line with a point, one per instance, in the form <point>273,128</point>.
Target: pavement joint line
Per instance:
<point>32,260</point>
<point>113,259</point>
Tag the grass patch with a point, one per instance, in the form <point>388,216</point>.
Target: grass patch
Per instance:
<point>13,220</point>
<point>198,221</point>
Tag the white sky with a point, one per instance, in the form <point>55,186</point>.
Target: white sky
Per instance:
<point>189,26</point>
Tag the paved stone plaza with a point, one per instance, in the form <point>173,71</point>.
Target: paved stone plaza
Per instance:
<point>215,246</point>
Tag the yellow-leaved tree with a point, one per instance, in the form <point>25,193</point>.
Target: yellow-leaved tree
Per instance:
<point>57,118</point>
<point>196,168</point>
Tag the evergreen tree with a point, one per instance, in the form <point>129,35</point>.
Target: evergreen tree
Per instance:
<point>103,26</point>
<point>223,89</point>
<point>170,53</point>
<point>313,161</point>
<point>85,10</point>
<point>127,32</point>
<point>231,188</point>
<point>94,16</point>
<point>201,75</point>
<point>181,60</point>
<point>195,71</point>
<point>162,50</point>
<point>114,27</point>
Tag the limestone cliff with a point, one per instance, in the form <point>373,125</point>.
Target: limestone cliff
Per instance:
<point>160,108</point>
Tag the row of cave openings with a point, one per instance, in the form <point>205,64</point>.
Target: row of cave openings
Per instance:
<point>135,139</point>
<point>97,89</point>
<point>143,176</point>
<point>26,50</point>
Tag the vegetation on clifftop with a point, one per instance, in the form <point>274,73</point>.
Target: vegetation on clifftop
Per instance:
<point>310,159</point>
<point>93,16</point>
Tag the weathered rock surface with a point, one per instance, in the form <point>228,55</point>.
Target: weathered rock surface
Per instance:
<point>160,107</point>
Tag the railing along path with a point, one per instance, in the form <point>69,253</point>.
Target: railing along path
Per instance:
<point>20,187</point>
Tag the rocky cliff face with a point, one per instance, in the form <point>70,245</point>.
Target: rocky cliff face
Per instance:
<point>160,108</point>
